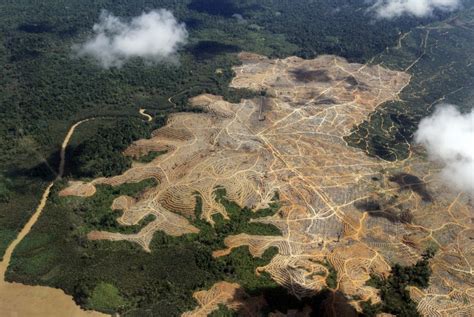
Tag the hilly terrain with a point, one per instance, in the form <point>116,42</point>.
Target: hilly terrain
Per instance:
<point>271,171</point>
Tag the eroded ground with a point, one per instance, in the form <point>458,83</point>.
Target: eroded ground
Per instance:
<point>359,213</point>
<point>228,294</point>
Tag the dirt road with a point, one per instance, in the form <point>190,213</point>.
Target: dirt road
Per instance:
<point>146,115</point>
<point>20,300</point>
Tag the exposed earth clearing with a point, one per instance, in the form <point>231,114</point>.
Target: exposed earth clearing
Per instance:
<point>79,189</point>
<point>338,205</point>
<point>228,294</point>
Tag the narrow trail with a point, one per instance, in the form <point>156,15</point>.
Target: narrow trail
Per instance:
<point>23,300</point>
<point>146,115</point>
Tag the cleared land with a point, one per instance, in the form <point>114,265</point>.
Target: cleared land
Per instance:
<point>360,213</point>
<point>228,294</point>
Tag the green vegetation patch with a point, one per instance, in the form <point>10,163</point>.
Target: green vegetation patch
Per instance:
<point>96,213</point>
<point>101,155</point>
<point>223,311</point>
<point>106,297</point>
<point>160,283</point>
<point>16,210</point>
<point>6,235</point>
<point>5,189</point>
<point>395,297</point>
<point>331,278</point>
<point>339,27</point>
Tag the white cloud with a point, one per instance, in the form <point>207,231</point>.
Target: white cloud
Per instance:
<point>448,137</point>
<point>153,36</point>
<point>420,8</point>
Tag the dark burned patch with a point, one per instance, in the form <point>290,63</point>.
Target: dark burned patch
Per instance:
<point>368,205</point>
<point>392,217</point>
<point>351,80</point>
<point>354,83</point>
<point>325,101</point>
<point>307,76</point>
<point>375,209</point>
<point>393,214</point>
<point>412,182</point>
<point>406,217</point>
<point>267,104</point>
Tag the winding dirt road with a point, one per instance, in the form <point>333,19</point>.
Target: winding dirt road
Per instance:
<point>146,115</point>
<point>23,300</point>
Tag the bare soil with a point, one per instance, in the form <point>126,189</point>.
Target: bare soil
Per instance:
<point>296,148</point>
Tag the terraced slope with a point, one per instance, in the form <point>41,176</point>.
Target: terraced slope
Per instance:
<point>344,214</point>
<point>360,214</point>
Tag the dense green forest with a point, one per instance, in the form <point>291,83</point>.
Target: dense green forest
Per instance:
<point>102,154</point>
<point>340,27</point>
